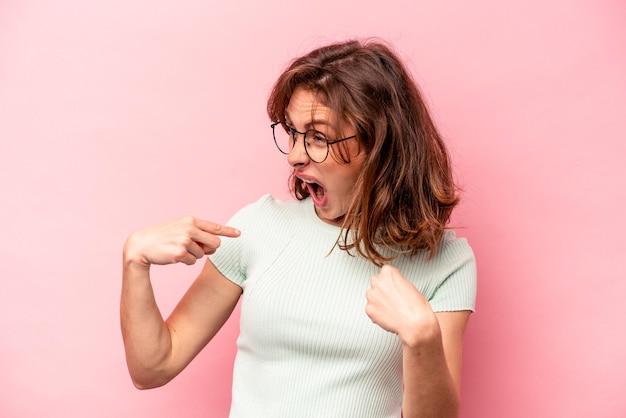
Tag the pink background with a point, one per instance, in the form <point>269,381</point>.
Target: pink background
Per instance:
<point>115,115</point>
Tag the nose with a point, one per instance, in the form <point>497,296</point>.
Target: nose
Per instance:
<point>297,155</point>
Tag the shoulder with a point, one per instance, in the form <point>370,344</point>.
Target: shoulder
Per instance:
<point>266,214</point>
<point>453,248</point>
<point>454,255</point>
<point>448,279</point>
<point>457,264</point>
<point>450,251</point>
<point>267,204</point>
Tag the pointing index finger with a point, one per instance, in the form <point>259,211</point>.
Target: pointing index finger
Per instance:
<point>218,229</point>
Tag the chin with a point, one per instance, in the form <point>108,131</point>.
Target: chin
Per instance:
<point>324,214</point>
<point>335,218</point>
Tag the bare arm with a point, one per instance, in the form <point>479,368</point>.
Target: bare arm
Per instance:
<point>432,369</point>
<point>432,344</point>
<point>157,350</point>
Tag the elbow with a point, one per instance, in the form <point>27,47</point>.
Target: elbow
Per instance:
<point>145,384</point>
<point>144,380</point>
<point>142,384</point>
<point>148,372</point>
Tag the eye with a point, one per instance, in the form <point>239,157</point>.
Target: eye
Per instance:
<point>316,138</point>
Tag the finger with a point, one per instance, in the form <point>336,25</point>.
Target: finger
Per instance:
<point>208,250</point>
<point>195,250</point>
<point>387,270</point>
<point>208,242</point>
<point>184,256</point>
<point>369,311</point>
<point>189,259</point>
<point>376,280</point>
<point>217,229</point>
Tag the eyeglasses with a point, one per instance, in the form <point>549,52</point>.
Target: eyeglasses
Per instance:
<point>315,143</point>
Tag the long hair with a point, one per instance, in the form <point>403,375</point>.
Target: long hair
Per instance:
<point>405,193</point>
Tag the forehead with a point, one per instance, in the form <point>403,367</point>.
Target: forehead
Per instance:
<point>305,108</point>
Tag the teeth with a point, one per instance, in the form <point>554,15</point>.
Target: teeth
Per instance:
<point>319,193</point>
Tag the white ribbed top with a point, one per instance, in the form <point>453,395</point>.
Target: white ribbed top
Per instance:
<point>306,347</point>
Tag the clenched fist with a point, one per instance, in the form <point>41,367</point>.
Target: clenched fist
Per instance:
<point>394,304</point>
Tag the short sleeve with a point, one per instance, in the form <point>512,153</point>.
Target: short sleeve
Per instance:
<point>457,292</point>
<point>231,258</point>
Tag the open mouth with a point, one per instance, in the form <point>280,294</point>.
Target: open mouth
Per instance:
<point>317,192</point>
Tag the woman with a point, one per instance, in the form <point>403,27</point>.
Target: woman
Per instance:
<point>355,297</point>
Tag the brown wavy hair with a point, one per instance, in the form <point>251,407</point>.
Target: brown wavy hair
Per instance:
<point>405,193</point>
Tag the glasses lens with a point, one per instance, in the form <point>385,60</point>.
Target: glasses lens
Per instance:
<point>282,138</point>
<point>316,146</point>
<point>315,143</point>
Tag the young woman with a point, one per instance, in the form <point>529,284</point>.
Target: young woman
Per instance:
<point>355,297</point>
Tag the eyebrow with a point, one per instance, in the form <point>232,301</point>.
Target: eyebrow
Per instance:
<point>311,123</point>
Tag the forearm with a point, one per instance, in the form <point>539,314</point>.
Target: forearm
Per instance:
<point>429,389</point>
<point>147,340</point>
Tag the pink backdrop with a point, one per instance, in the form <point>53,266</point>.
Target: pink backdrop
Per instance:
<point>115,115</point>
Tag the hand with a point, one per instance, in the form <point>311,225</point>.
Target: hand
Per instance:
<point>394,304</point>
<point>182,240</point>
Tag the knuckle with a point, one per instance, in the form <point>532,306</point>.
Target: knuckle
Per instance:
<point>180,254</point>
<point>189,220</point>
<point>386,269</point>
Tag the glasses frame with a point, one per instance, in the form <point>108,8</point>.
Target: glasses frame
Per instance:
<point>303,134</point>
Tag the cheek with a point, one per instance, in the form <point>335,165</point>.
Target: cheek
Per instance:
<point>355,167</point>
<point>346,152</point>
<point>349,178</point>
